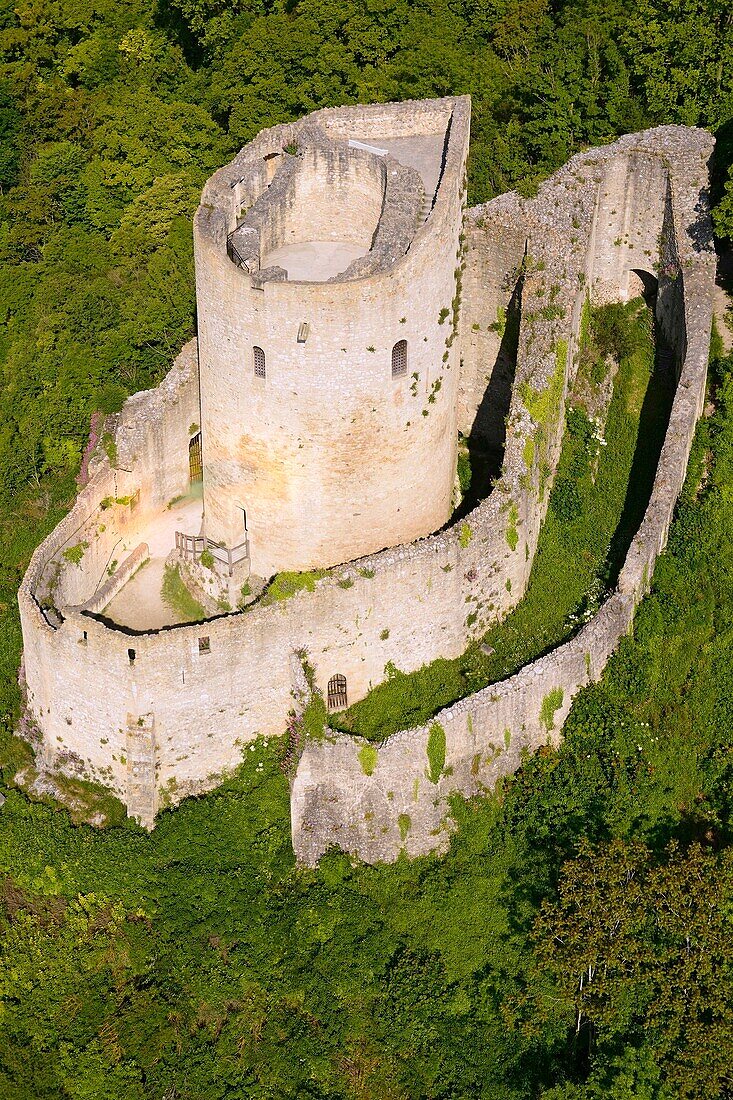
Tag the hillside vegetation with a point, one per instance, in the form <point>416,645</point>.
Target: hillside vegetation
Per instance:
<point>575,943</point>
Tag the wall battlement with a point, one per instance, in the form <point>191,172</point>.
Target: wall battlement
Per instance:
<point>160,714</point>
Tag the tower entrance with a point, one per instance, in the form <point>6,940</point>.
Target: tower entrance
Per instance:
<point>195,465</point>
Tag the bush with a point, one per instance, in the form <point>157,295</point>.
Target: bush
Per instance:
<point>176,595</point>
<point>436,752</point>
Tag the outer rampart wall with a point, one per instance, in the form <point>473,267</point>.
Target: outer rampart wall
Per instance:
<point>407,605</point>
<point>400,806</point>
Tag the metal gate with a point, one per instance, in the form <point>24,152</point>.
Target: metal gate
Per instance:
<point>195,465</point>
<point>337,693</point>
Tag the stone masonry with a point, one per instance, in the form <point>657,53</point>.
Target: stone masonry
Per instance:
<point>161,714</point>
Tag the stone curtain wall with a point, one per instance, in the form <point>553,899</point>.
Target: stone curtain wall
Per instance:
<point>402,803</point>
<point>80,688</point>
<point>148,445</point>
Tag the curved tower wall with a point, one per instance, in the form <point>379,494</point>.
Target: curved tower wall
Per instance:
<point>330,456</point>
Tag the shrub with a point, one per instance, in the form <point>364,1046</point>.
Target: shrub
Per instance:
<point>551,702</point>
<point>436,752</point>
<point>368,757</point>
<point>178,598</point>
<point>512,534</point>
<point>74,554</point>
<point>284,585</point>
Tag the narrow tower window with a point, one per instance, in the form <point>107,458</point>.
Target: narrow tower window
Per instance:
<point>337,692</point>
<point>399,359</point>
<point>259,361</point>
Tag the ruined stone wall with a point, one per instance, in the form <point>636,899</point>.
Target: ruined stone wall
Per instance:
<point>148,444</point>
<point>79,692</point>
<point>334,195</point>
<point>330,456</point>
<point>402,804</point>
<point>158,715</point>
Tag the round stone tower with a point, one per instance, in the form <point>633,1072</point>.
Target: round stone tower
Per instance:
<point>328,283</point>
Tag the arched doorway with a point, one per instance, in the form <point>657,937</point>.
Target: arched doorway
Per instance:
<point>195,464</point>
<point>337,697</point>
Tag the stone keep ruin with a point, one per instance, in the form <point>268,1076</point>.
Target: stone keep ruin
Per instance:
<point>351,323</point>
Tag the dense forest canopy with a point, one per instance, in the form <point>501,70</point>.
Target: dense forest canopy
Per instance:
<point>113,115</point>
<point>575,943</point>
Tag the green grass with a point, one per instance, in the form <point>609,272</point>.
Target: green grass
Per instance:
<point>436,752</point>
<point>175,594</point>
<point>596,505</point>
<point>284,585</point>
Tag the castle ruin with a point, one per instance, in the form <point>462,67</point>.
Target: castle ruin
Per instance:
<point>351,323</point>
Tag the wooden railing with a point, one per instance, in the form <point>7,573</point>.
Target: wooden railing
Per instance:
<point>191,547</point>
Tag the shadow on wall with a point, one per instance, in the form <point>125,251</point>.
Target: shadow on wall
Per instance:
<point>487,438</point>
<point>649,286</point>
<point>653,424</point>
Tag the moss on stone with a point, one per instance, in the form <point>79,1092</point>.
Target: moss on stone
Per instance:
<point>368,758</point>
<point>436,752</point>
<point>551,702</point>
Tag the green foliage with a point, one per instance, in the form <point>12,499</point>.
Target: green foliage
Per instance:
<point>207,559</point>
<point>404,699</point>
<point>499,325</point>
<point>551,702</point>
<point>624,967</point>
<point>74,554</point>
<point>177,596</point>
<point>436,751</point>
<point>544,405</point>
<point>465,534</point>
<point>284,585</point>
<point>464,469</point>
<point>198,957</point>
<point>595,507</point>
<point>314,718</point>
<point>528,452</point>
<point>404,824</point>
<point>512,534</point>
<point>368,758</point>
<point>196,960</point>
<point>110,449</point>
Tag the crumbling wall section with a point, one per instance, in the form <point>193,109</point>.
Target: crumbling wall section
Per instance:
<point>140,465</point>
<point>400,802</point>
<point>203,691</point>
